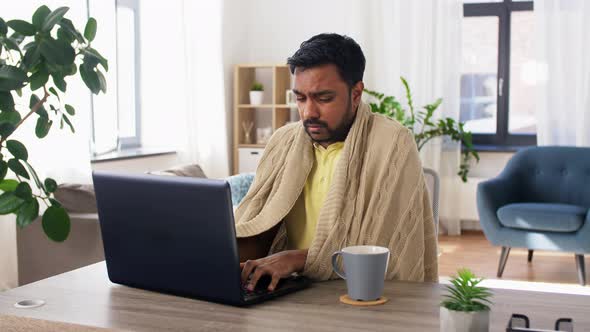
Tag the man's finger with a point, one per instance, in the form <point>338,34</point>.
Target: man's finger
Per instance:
<point>249,267</point>
<point>274,282</point>
<point>242,265</point>
<point>259,272</point>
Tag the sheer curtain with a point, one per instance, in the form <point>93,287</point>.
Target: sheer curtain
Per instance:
<point>182,84</point>
<point>563,102</point>
<point>421,41</point>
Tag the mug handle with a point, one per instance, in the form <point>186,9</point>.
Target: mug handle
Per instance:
<point>335,266</point>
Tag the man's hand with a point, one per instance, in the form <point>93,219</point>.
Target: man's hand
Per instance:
<point>279,265</point>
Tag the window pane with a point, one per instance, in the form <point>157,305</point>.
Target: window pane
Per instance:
<point>126,73</point>
<point>479,74</point>
<point>523,75</point>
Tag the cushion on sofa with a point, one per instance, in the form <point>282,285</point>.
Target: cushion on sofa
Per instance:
<point>543,216</point>
<point>192,170</point>
<point>239,184</point>
<point>75,197</point>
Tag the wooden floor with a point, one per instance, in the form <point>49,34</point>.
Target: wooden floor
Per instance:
<point>473,251</point>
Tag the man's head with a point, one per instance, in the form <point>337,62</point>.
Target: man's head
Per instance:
<point>328,70</point>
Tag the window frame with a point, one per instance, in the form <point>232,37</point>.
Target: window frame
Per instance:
<point>130,142</point>
<point>503,10</point>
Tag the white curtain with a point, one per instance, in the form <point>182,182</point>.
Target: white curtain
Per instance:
<point>563,101</point>
<point>421,41</point>
<point>206,129</point>
<point>182,84</point>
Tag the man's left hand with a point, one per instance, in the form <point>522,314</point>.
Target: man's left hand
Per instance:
<point>279,265</point>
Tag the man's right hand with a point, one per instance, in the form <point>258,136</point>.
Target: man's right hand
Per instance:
<point>277,266</point>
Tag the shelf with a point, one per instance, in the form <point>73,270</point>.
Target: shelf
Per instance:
<point>256,106</point>
<point>251,145</point>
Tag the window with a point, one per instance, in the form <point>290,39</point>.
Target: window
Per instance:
<point>128,56</point>
<point>498,72</point>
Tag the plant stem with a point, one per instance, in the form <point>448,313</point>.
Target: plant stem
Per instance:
<point>33,110</point>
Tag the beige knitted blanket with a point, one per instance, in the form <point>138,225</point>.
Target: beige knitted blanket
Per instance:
<point>378,196</point>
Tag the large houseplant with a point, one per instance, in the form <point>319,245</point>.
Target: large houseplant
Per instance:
<point>466,306</point>
<point>422,124</point>
<point>31,53</point>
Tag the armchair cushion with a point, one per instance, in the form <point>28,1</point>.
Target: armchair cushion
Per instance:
<point>543,216</point>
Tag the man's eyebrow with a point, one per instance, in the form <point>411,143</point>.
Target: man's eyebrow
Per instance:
<point>316,94</point>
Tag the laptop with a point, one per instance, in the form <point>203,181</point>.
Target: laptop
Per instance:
<point>175,235</point>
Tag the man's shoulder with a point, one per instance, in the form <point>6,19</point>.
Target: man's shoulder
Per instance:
<point>385,127</point>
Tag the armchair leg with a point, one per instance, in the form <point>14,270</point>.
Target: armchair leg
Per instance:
<point>530,259</point>
<point>581,269</point>
<point>503,259</point>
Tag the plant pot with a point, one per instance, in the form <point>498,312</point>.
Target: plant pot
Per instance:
<point>256,97</point>
<point>459,321</point>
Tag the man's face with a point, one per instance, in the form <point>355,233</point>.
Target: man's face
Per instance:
<point>326,105</point>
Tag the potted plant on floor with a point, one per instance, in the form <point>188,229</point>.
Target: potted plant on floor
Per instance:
<point>39,56</point>
<point>423,126</point>
<point>466,307</point>
<point>256,93</point>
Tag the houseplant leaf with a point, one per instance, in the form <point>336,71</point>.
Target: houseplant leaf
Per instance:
<point>12,78</point>
<point>56,223</point>
<point>23,190</point>
<point>90,30</point>
<point>8,185</point>
<point>39,16</point>
<point>27,212</point>
<point>23,27</point>
<point>18,168</point>
<point>6,101</point>
<point>57,51</point>
<point>52,18</point>
<point>17,149</point>
<point>9,202</point>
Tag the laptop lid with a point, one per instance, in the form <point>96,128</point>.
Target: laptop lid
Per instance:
<point>169,234</point>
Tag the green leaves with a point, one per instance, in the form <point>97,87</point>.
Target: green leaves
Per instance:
<point>67,121</point>
<point>8,185</point>
<point>27,213</point>
<point>56,223</point>
<point>23,27</point>
<point>11,117</point>
<point>52,18</point>
<point>39,79</point>
<point>42,127</point>
<point>57,51</point>
<point>70,109</point>
<point>9,202</point>
<point>90,30</point>
<point>12,78</point>
<point>50,185</point>
<point>18,168</point>
<point>23,190</point>
<point>17,149</point>
<point>3,27</point>
<point>90,78</point>
<point>465,294</point>
<point>3,170</point>
<point>6,101</point>
<point>39,16</point>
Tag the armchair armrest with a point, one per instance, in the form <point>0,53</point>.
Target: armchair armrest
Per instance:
<point>491,195</point>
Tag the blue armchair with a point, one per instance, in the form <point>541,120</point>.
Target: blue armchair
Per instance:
<point>540,201</point>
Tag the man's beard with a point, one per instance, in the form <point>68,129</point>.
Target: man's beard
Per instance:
<point>334,135</point>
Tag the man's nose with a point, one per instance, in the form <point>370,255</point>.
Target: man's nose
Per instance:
<point>310,110</point>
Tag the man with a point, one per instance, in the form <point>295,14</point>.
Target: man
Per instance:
<point>342,176</point>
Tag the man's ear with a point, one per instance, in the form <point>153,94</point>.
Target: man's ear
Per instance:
<point>357,93</point>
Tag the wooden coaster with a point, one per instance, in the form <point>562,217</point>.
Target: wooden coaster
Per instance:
<point>347,300</point>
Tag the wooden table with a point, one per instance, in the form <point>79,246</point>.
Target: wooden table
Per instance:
<point>86,296</point>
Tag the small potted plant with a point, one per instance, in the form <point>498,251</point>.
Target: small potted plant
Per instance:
<point>466,306</point>
<point>256,93</point>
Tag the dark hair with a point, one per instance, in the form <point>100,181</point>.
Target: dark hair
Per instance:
<point>331,48</point>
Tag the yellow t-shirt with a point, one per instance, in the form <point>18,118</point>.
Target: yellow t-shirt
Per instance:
<point>302,220</point>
